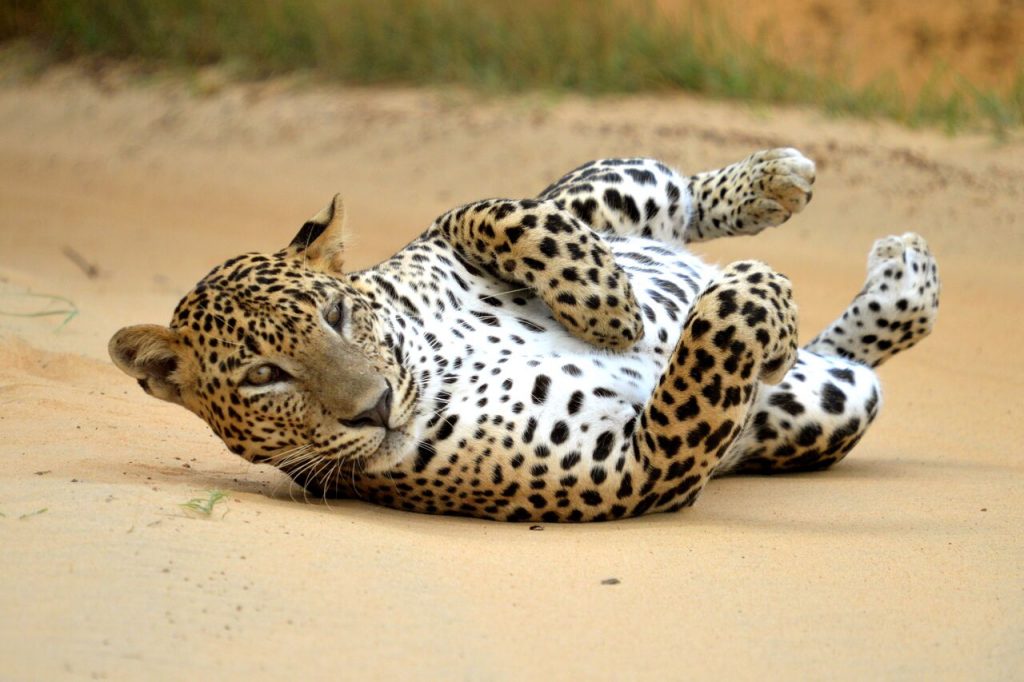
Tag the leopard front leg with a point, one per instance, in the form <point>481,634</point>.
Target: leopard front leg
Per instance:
<point>763,190</point>
<point>538,245</point>
<point>740,332</point>
<point>644,197</point>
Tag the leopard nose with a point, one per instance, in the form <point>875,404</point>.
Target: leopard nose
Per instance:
<point>378,415</point>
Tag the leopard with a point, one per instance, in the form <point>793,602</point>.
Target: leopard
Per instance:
<point>561,358</point>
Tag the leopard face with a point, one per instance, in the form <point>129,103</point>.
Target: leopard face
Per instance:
<point>285,358</point>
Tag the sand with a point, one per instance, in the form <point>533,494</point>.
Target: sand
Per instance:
<point>906,561</point>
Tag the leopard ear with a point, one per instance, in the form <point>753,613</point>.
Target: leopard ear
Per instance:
<point>149,353</point>
<point>321,241</point>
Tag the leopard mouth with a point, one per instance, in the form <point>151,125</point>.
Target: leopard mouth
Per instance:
<point>372,442</point>
<point>397,443</point>
<point>373,445</point>
<point>336,475</point>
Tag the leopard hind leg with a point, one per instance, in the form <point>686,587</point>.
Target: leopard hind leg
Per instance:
<point>896,308</point>
<point>740,332</point>
<point>810,420</point>
<point>824,405</point>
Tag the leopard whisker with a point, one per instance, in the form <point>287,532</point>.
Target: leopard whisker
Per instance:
<point>353,482</point>
<point>295,458</point>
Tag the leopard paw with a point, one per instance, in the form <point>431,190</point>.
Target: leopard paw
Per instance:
<point>895,310</point>
<point>780,185</point>
<point>764,190</point>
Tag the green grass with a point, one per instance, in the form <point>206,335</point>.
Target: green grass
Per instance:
<point>594,46</point>
<point>204,505</point>
<point>66,308</point>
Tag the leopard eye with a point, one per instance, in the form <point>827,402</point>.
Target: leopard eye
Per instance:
<point>335,315</point>
<point>261,375</point>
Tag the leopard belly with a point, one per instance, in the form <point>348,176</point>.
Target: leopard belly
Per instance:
<point>502,380</point>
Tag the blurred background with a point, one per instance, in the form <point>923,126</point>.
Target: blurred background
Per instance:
<point>949,63</point>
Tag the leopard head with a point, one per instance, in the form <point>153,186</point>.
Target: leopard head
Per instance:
<point>286,357</point>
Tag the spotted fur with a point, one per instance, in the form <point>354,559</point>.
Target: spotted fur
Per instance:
<point>563,358</point>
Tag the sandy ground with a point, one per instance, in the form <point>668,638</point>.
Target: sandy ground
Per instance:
<point>905,562</point>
